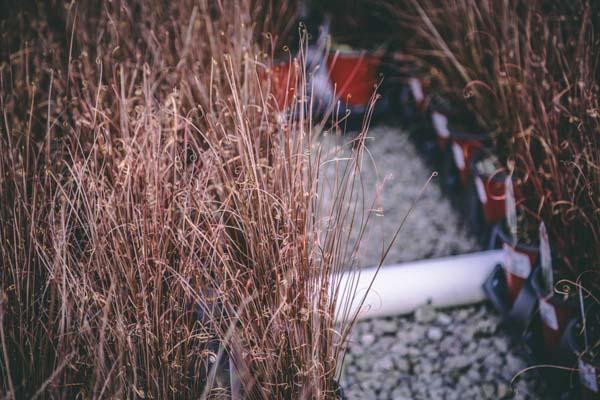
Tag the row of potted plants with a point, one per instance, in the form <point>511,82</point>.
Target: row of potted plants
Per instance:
<point>528,74</point>
<point>351,77</point>
<point>512,127</point>
<point>558,321</point>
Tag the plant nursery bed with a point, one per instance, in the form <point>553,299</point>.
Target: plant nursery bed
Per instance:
<point>459,353</point>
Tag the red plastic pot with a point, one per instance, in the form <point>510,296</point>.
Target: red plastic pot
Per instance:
<point>491,190</point>
<point>354,75</point>
<point>284,79</point>
<point>464,148</point>
<point>555,311</point>
<point>518,262</point>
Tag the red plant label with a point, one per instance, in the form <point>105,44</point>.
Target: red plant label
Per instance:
<point>548,315</point>
<point>587,376</point>
<point>516,263</point>
<point>440,123</point>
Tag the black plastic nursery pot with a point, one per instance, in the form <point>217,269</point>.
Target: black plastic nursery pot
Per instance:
<point>491,188</point>
<point>555,310</point>
<point>412,111</point>
<point>339,390</point>
<point>518,262</point>
<point>589,376</point>
<point>518,316</point>
<point>586,362</point>
<point>522,319</point>
<point>556,369</point>
<point>496,290</point>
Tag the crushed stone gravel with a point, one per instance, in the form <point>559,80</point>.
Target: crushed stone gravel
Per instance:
<point>432,354</point>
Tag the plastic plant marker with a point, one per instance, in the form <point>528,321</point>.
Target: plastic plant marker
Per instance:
<point>587,376</point>
<point>548,314</point>
<point>546,259</point>
<point>417,90</point>
<point>511,209</point>
<point>440,123</point>
<point>516,263</point>
<point>480,190</point>
<point>459,156</point>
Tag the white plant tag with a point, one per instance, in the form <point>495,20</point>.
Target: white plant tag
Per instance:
<point>548,315</point>
<point>516,263</point>
<point>587,376</point>
<point>417,90</point>
<point>511,209</point>
<point>546,259</point>
<point>459,156</point>
<point>440,123</point>
<point>480,190</point>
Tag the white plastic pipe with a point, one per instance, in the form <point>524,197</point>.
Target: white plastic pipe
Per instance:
<point>442,282</point>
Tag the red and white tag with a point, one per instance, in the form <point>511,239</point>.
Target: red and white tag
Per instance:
<point>480,190</point>
<point>516,263</point>
<point>440,123</point>
<point>548,315</point>
<point>416,89</point>
<point>459,156</point>
<point>588,376</point>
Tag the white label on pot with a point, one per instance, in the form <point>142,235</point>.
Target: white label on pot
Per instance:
<point>459,156</point>
<point>548,315</point>
<point>516,263</point>
<point>511,208</point>
<point>480,190</point>
<point>587,376</point>
<point>546,259</point>
<point>440,123</point>
<point>417,90</point>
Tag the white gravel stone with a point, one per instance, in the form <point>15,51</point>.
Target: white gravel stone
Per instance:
<point>425,314</point>
<point>434,333</point>
<point>367,339</point>
<point>443,319</point>
<point>450,354</point>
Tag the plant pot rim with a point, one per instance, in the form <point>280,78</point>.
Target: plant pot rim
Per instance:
<point>570,299</point>
<point>571,344</point>
<point>365,53</point>
<point>503,235</point>
<point>498,176</point>
<point>339,390</point>
<point>569,337</point>
<point>481,137</point>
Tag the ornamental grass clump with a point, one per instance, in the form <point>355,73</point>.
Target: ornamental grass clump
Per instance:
<point>529,73</point>
<point>149,177</point>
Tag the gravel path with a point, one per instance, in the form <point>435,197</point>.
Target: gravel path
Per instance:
<point>393,176</point>
<point>451,354</point>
